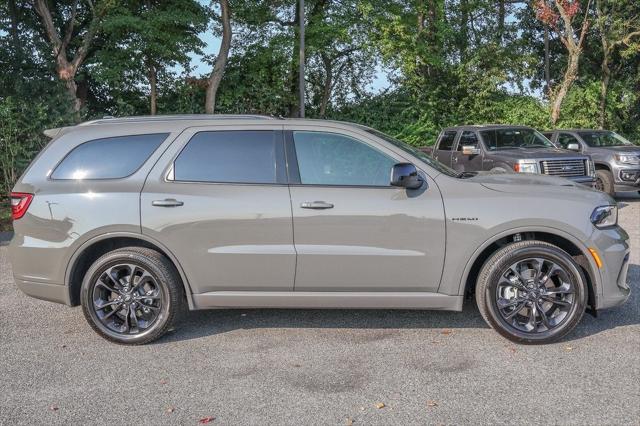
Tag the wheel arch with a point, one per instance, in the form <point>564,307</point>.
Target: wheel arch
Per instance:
<point>565,241</point>
<point>601,166</point>
<point>92,249</point>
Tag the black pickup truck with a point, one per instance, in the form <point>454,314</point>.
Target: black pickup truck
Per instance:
<point>502,148</point>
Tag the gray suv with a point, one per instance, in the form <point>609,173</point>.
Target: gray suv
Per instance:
<point>135,218</point>
<point>616,159</point>
<point>509,149</point>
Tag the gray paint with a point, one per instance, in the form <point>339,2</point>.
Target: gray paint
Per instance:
<point>252,245</point>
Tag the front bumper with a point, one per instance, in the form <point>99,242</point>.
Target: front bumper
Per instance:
<point>613,247</point>
<point>627,178</point>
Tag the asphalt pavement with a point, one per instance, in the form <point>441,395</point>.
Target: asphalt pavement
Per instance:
<point>319,367</point>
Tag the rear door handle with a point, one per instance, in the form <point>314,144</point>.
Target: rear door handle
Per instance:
<point>316,205</point>
<point>169,202</point>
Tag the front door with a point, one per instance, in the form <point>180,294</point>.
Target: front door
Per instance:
<point>353,231</point>
<point>462,162</point>
<point>444,147</point>
<point>218,200</point>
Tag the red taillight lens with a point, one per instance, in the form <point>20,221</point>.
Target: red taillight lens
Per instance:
<point>516,167</point>
<point>19,204</point>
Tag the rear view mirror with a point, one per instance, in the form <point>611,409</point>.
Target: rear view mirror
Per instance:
<point>405,175</point>
<point>573,147</point>
<point>470,150</point>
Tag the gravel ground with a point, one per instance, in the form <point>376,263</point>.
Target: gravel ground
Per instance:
<point>319,367</point>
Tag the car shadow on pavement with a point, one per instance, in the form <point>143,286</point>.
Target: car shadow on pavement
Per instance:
<point>198,324</point>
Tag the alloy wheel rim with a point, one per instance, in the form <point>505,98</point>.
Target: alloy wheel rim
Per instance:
<point>599,185</point>
<point>127,299</point>
<point>535,295</point>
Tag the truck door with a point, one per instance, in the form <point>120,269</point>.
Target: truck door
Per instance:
<point>442,153</point>
<point>468,155</point>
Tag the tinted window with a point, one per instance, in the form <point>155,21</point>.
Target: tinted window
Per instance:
<point>603,138</point>
<point>228,156</point>
<point>514,138</point>
<point>108,158</point>
<point>565,139</point>
<point>332,159</point>
<point>468,139</point>
<point>446,141</point>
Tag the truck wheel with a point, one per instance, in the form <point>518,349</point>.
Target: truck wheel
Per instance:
<point>131,295</point>
<point>531,292</point>
<point>604,181</point>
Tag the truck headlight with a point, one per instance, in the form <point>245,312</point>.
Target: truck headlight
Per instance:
<point>628,158</point>
<point>526,166</point>
<point>591,168</point>
<point>604,216</point>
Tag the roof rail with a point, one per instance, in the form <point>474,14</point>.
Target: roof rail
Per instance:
<point>156,118</point>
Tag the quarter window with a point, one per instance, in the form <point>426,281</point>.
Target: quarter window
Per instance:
<point>446,140</point>
<point>229,157</point>
<point>332,159</point>
<point>108,158</point>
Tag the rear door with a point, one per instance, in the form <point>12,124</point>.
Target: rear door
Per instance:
<point>469,162</point>
<point>218,200</point>
<point>353,230</point>
<point>444,147</point>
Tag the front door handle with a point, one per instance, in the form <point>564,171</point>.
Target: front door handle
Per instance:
<point>168,202</point>
<point>316,205</point>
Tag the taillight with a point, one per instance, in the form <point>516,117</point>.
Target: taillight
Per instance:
<point>19,204</point>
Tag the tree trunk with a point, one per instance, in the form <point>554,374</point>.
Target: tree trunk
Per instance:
<point>604,91</point>
<point>547,65</point>
<point>570,76</point>
<point>502,12</point>
<point>221,60</point>
<point>13,30</point>
<point>294,108</point>
<point>153,81</point>
<point>328,84</point>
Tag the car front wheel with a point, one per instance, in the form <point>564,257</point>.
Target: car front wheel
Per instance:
<point>131,295</point>
<point>531,292</point>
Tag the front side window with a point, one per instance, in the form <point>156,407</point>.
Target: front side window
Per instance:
<point>333,159</point>
<point>603,138</point>
<point>108,158</point>
<point>229,157</point>
<point>468,139</point>
<point>564,139</point>
<point>446,141</point>
<point>498,139</point>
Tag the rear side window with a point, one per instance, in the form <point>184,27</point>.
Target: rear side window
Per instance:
<point>229,157</point>
<point>108,158</point>
<point>446,141</point>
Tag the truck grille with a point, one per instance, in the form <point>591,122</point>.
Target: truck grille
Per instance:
<point>565,168</point>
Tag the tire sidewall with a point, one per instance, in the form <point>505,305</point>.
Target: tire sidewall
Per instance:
<point>88,285</point>
<point>555,255</point>
<point>606,178</point>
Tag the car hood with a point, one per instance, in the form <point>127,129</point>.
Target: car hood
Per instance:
<point>539,185</point>
<point>536,153</point>
<point>627,149</point>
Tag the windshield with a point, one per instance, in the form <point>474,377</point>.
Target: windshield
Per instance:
<point>603,138</point>
<point>413,151</point>
<point>498,139</point>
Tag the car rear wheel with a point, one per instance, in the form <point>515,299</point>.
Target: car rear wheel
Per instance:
<point>531,292</point>
<point>604,182</point>
<point>131,295</point>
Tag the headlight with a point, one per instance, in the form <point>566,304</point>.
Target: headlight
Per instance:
<point>526,166</point>
<point>591,168</point>
<point>628,158</point>
<point>604,216</point>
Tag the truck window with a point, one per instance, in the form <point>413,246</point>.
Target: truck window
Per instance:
<point>564,139</point>
<point>468,139</point>
<point>446,140</point>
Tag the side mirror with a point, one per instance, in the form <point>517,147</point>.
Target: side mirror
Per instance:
<point>470,150</point>
<point>405,175</point>
<point>573,147</point>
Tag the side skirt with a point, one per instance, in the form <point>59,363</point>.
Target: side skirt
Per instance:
<point>327,300</point>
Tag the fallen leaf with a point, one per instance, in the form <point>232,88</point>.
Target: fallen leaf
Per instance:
<point>163,381</point>
<point>380,405</point>
<point>171,410</point>
<point>297,365</point>
<point>568,348</point>
<point>361,408</point>
<point>446,332</point>
<point>207,419</point>
<point>53,408</point>
<point>432,404</point>
<point>512,349</point>
<point>349,421</point>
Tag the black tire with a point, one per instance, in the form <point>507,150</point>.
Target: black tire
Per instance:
<point>157,308</point>
<point>498,267</point>
<point>604,181</point>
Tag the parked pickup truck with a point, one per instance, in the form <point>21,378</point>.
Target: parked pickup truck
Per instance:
<point>617,160</point>
<point>502,148</point>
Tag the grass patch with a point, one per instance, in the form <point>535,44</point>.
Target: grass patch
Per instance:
<point>5,215</point>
